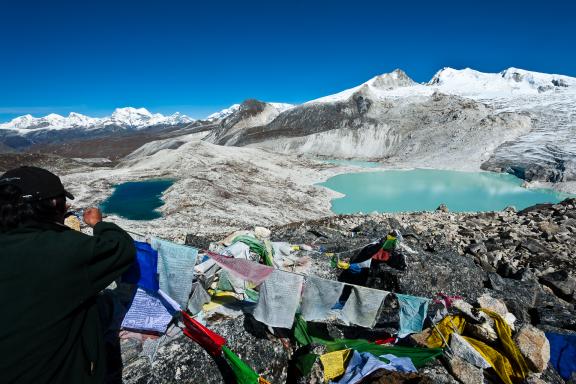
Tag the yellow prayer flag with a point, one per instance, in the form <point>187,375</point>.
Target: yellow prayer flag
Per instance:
<point>334,363</point>
<point>442,331</point>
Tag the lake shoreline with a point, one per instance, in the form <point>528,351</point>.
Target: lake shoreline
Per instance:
<point>220,189</point>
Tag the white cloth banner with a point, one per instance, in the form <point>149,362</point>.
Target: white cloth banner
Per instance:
<point>319,297</point>
<point>363,306</point>
<point>279,299</point>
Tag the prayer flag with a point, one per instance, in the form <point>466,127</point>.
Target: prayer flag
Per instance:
<point>210,341</point>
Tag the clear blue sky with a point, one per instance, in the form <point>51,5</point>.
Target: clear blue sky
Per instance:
<point>200,56</point>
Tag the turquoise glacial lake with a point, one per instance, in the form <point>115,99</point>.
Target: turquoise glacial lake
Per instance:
<point>137,200</point>
<point>425,189</point>
<point>355,163</point>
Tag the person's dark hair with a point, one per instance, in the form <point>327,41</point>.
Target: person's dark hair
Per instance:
<point>14,211</point>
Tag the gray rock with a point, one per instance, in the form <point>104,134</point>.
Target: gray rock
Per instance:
<point>477,249</point>
<point>462,349</point>
<point>550,376</point>
<point>442,208</point>
<point>563,284</point>
<point>181,360</point>
<point>418,280</point>
<point>465,372</point>
<point>438,374</point>
<point>534,346</point>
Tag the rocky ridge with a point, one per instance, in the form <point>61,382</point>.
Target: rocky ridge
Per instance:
<point>509,261</point>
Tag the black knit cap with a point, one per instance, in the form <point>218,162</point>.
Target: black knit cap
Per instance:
<point>35,183</point>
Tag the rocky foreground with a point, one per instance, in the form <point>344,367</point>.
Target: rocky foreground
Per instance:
<point>522,262</point>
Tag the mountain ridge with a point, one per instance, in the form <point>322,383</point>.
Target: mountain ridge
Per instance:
<point>464,82</point>
<point>128,117</point>
<point>514,121</point>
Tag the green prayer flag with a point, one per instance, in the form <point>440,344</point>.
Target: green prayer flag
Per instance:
<point>252,294</point>
<point>224,283</point>
<point>389,244</point>
<point>305,363</point>
<point>301,331</point>
<point>334,261</point>
<point>257,247</point>
<point>244,374</point>
<point>419,356</point>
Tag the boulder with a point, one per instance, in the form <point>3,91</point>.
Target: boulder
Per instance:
<point>498,306</point>
<point>477,249</point>
<point>383,376</point>
<point>562,283</point>
<point>493,304</point>
<point>465,372</point>
<point>452,274</point>
<point>534,380</point>
<point>550,376</point>
<point>442,208</point>
<point>437,373</point>
<point>520,297</point>
<point>462,349</point>
<point>534,346</point>
<point>549,228</point>
<point>483,332</point>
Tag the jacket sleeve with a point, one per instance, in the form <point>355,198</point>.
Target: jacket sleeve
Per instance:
<point>113,254</point>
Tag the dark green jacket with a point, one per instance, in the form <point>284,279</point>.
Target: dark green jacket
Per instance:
<point>49,277</point>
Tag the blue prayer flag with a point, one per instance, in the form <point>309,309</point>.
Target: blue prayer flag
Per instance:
<point>563,353</point>
<point>144,270</point>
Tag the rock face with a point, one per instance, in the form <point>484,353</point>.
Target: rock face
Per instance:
<point>534,346</point>
<point>181,360</point>
<point>414,129</point>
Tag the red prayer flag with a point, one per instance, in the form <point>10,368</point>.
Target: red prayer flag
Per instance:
<point>389,340</point>
<point>381,255</point>
<point>210,341</point>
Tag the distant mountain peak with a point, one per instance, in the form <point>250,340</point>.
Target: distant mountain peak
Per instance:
<point>396,78</point>
<point>508,82</point>
<point>224,112</point>
<point>126,117</point>
<point>249,105</point>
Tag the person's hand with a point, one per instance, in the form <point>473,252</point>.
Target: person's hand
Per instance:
<point>92,216</point>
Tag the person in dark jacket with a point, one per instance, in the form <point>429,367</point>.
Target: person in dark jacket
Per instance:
<point>50,278</point>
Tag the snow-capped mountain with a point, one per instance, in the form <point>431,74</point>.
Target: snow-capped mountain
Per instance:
<point>224,113</point>
<point>396,82</point>
<point>512,82</point>
<point>250,113</point>
<point>508,83</point>
<point>51,121</point>
<point>129,118</point>
<point>515,121</point>
<point>280,107</point>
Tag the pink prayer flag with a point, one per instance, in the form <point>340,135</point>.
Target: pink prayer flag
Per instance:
<point>245,269</point>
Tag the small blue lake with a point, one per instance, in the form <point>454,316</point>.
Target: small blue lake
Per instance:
<point>425,189</point>
<point>137,200</point>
